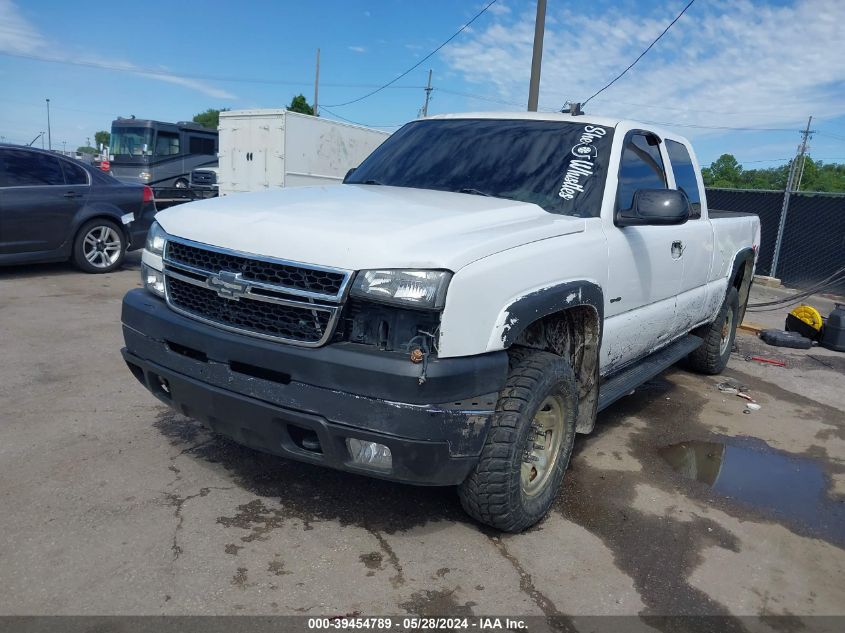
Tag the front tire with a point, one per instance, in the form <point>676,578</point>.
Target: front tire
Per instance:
<point>99,246</point>
<point>528,446</point>
<point>713,355</point>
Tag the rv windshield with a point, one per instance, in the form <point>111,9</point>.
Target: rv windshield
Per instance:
<point>131,141</point>
<point>559,165</point>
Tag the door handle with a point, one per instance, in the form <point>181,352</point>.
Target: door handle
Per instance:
<point>677,249</point>
<point>71,194</point>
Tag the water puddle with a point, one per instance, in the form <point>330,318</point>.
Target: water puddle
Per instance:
<point>793,489</point>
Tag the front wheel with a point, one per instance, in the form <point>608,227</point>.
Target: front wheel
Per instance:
<point>99,247</point>
<point>528,446</point>
<point>712,357</point>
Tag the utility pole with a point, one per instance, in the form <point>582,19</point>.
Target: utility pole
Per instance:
<point>537,57</point>
<point>49,135</point>
<point>428,90</point>
<point>317,85</point>
<point>790,182</point>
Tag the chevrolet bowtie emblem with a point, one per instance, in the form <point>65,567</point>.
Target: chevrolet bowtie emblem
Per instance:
<point>228,285</point>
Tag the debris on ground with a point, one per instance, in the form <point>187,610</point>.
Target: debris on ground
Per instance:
<point>780,338</point>
<point>766,361</point>
<point>731,388</point>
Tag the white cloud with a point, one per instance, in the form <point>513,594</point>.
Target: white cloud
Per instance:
<point>498,8</point>
<point>19,37</point>
<point>357,49</point>
<point>732,63</point>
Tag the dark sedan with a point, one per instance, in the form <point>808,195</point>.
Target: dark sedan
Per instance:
<point>54,208</point>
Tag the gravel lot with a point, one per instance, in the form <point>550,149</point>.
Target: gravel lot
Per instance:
<point>112,504</point>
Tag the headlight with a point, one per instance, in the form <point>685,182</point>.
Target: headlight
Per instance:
<point>153,280</point>
<point>145,175</point>
<point>409,288</point>
<point>156,239</point>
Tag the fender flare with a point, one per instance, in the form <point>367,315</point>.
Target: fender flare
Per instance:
<point>541,303</point>
<point>740,259</point>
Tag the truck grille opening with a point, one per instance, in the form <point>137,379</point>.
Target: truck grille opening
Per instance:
<point>304,325</point>
<point>323,282</point>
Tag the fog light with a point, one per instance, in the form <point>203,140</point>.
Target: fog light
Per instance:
<point>369,453</point>
<point>153,280</point>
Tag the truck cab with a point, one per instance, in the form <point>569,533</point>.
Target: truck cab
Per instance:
<point>455,312</point>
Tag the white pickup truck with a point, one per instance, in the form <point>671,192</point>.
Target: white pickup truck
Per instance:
<point>455,312</point>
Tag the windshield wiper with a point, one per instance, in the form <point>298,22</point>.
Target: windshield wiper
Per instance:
<point>370,182</point>
<point>476,192</point>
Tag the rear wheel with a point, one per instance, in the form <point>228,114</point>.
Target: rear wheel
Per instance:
<point>712,357</point>
<point>99,247</point>
<point>528,446</point>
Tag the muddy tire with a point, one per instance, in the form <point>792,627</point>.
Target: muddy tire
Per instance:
<point>712,357</point>
<point>528,446</point>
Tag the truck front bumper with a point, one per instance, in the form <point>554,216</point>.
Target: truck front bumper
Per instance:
<point>281,399</point>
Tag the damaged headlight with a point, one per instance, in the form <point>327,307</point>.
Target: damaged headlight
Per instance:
<point>409,288</point>
<point>156,239</point>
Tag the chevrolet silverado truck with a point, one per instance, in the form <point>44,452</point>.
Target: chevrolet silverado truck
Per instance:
<point>455,312</point>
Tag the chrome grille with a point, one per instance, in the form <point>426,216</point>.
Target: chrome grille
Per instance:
<point>263,297</point>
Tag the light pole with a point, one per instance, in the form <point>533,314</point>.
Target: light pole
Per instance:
<point>537,57</point>
<point>49,136</point>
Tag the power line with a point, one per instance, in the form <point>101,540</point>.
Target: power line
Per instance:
<point>837,137</point>
<point>163,73</point>
<point>343,118</point>
<point>419,63</point>
<point>657,39</point>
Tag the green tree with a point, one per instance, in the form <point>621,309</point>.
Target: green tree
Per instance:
<point>102,138</point>
<point>299,104</point>
<point>84,149</point>
<point>725,171</point>
<point>210,118</point>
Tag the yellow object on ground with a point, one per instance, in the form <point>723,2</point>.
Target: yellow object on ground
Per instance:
<point>809,315</point>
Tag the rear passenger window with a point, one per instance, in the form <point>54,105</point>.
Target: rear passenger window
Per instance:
<point>685,178</point>
<point>22,168</point>
<point>200,145</point>
<point>641,168</point>
<point>74,174</point>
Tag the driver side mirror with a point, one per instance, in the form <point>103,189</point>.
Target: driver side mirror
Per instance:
<point>655,207</point>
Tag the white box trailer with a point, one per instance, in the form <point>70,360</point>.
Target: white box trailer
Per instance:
<point>260,149</point>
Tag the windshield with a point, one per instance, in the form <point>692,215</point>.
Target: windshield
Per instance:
<point>560,166</point>
<point>131,141</point>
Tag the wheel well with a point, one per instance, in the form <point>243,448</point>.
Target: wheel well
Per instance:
<point>742,282</point>
<point>575,334</point>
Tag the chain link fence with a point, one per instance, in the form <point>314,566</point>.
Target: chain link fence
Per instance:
<point>812,247</point>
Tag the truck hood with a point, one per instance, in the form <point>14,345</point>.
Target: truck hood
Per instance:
<point>366,226</point>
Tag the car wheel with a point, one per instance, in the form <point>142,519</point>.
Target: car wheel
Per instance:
<point>528,446</point>
<point>99,247</point>
<point>713,355</point>
<point>181,183</point>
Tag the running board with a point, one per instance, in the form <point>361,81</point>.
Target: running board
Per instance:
<point>632,377</point>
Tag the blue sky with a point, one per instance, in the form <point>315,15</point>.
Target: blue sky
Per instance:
<point>725,63</point>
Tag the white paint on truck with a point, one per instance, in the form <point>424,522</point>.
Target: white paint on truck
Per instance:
<point>500,250</point>
<point>263,149</point>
